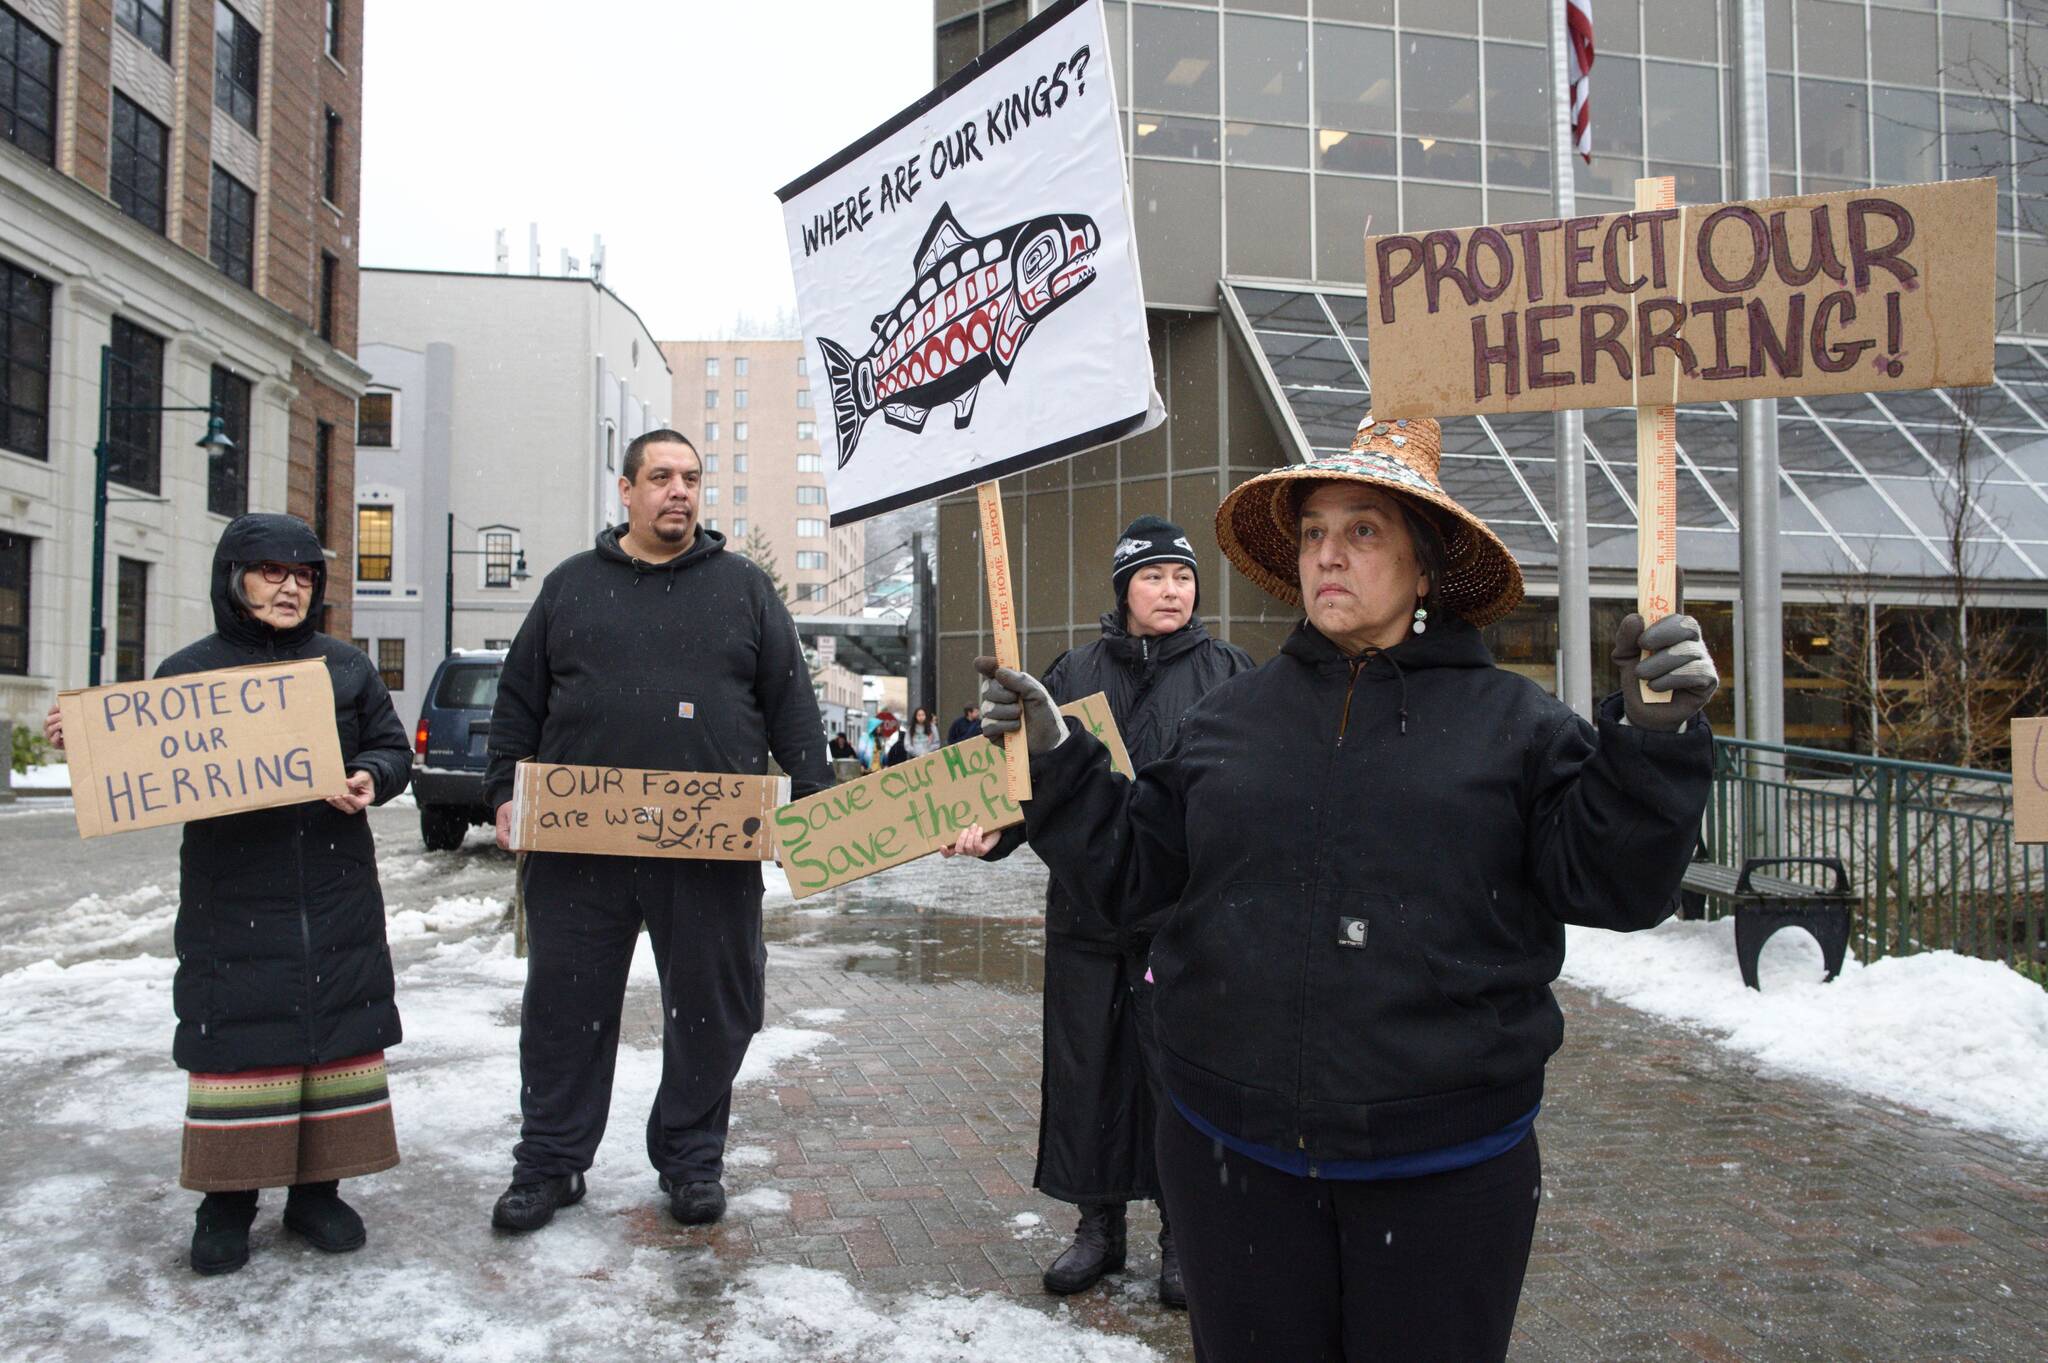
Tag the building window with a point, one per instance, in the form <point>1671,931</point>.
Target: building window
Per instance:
<point>14,601</point>
<point>710,399</point>
<point>28,87</point>
<point>141,151</point>
<point>135,390</point>
<point>330,166</point>
<point>810,591</point>
<point>710,463</point>
<point>739,398</point>
<point>739,495</point>
<point>711,524</point>
<point>498,555</point>
<point>810,494</point>
<point>810,463</point>
<point>710,366</point>
<point>334,29</point>
<point>803,366</point>
<point>810,559</point>
<point>739,528</point>
<point>373,544</point>
<point>227,473</point>
<point>391,663</point>
<point>377,421</point>
<point>810,529</point>
<point>131,619</point>
<point>711,496</point>
<point>232,241</point>
<point>24,358</point>
<point>739,432</point>
<point>611,447</point>
<point>803,397</point>
<point>330,267</point>
<point>237,57</point>
<point>806,430</point>
<point>149,20</point>
<point>323,474</point>
<point>739,369</point>
<point>710,433</point>
<point>739,462</point>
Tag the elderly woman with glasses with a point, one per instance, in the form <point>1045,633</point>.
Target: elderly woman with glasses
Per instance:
<point>1369,848</point>
<point>284,986</point>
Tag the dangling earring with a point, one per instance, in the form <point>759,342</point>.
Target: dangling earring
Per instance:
<point>1421,624</point>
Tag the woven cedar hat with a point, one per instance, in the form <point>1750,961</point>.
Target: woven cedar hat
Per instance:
<point>1258,531</point>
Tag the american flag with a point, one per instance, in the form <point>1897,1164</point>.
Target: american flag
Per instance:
<point>1579,31</point>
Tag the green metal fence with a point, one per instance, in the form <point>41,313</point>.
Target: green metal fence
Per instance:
<point>1930,849</point>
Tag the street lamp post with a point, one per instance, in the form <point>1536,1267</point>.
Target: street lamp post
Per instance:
<point>519,574</point>
<point>216,438</point>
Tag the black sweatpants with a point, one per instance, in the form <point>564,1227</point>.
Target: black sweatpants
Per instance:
<point>1413,1270</point>
<point>583,918</point>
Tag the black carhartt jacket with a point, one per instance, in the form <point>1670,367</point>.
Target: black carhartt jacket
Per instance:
<point>280,932</point>
<point>1150,682</point>
<point>689,665</point>
<point>1373,861</point>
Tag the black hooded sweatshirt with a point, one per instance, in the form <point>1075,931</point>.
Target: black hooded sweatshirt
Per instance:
<point>1373,860</point>
<point>280,932</point>
<point>1150,680</point>
<point>688,665</point>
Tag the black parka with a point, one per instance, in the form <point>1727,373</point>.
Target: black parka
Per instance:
<point>1150,682</point>
<point>280,931</point>
<point>1373,860</point>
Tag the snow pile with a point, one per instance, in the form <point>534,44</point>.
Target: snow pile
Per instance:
<point>456,913</point>
<point>1961,1038</point>
<point>785,1312</point>
<point>775,1047</point>
<point>759,1202</point>
<point>43,776</point>
<point>819,1016</point>
<point>94,925</point>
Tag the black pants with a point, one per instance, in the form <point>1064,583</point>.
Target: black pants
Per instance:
<point>583,918</point>
<point>1414,1270</point>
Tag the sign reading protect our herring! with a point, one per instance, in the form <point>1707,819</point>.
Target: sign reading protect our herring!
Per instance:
<point>629,812</point>
<point>1858,291</point>
<point>968,280</point>
<point>201,745</point>
<point>911,810</point>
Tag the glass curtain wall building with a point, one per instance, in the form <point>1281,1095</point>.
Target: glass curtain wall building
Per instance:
<point>1265,138</point>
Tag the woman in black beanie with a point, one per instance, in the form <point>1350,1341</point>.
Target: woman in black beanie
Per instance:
<point>1098,1095</point>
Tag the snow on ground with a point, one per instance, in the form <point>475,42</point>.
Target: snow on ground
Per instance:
<point>44,776</point>
<point>1961,1038</point>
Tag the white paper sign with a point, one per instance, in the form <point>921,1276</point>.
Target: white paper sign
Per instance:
<point>968,277</point>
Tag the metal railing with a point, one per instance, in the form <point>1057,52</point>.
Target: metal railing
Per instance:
<point>1930,849</point>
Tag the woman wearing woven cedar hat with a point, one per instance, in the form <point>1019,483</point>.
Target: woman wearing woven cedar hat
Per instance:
<point>284,986</point>
<point>1097,1115</point>
<point>1372,845</point>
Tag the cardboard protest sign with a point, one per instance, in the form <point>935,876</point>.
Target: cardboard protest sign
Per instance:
<point>968,277</point>
<point>912,810</point>
<point>2030,780</point>
<point>1856,291</point>
<point>201,745</point>
<point>630,812</point>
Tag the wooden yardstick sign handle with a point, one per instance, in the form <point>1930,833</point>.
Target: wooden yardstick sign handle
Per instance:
<point>1656,476</point>
<point>1002,615</point>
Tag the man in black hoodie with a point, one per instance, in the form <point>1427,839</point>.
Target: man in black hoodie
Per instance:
<point>655,649</point>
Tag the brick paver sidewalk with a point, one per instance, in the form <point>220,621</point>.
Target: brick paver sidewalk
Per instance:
<point>1694,1209</point>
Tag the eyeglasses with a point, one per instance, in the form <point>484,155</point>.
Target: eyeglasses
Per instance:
<point>305,574</point>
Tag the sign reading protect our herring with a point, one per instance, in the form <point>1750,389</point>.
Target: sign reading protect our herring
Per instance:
<point>913,809</point>
<point>201,745</point>
<point>1857,291</point>
<point>630,812</point>
<point>968,279</point>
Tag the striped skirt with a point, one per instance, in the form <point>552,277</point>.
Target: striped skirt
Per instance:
<point>298,1124</point>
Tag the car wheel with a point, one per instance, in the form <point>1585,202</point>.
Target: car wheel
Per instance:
<point>442,829</point>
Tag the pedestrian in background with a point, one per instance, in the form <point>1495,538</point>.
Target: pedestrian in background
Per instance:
<point>966,727</point>
<point>923,734</point>
<point>284,991</point>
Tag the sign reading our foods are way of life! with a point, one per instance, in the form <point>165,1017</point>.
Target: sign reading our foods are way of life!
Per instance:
<point>633,812</point>
<point>968,278</point>
<point>1856,291</point>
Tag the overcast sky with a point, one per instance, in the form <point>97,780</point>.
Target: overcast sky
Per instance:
<point>665,125</point>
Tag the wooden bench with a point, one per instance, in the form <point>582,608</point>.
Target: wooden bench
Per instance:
<point>1765,903</point>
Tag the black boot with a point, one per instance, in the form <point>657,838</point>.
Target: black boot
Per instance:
<point>1171,1292</point>
<point>1098,1248</point>
<point>529,1206</point>
<point>697,1203</point>
<point>220,1232</point>
<point>316,1211</point>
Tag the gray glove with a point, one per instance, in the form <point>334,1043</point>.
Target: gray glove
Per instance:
<point>1010,699</point>
<point>1678,664</point>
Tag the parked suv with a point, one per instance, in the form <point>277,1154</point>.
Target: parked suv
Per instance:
<point>449,744</point>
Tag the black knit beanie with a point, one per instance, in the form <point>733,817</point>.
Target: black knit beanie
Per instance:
<point>1148,540</point>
